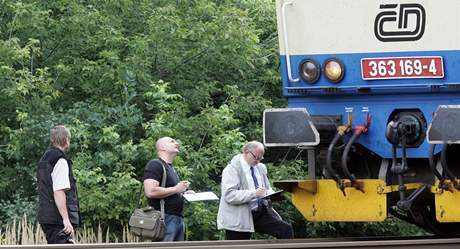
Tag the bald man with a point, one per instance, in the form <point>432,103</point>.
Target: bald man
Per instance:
<point>167,149</point>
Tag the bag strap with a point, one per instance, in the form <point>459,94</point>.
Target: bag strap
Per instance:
<point>163,184</point>
<point>162,201</point>
<point>140,197</point>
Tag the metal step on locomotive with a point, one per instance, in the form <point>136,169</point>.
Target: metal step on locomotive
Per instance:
<point>373,92</point>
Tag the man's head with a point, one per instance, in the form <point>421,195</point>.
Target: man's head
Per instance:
<point>253,152</point>
<point>60,137</point>
<point>167,146</point>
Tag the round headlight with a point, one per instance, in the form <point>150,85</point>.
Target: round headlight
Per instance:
<point>309,70</point>
<point>334,70</point>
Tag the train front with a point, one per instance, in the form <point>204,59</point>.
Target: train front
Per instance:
<point>373,93</point>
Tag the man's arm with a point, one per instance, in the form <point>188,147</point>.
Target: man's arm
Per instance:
<point>152,189</point>
<point>60,200</point>
<point>61,183</point>
<point>230,188</point>
<point>264,174</point>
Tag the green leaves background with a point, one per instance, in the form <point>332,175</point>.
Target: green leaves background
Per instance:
<point>121,74</point>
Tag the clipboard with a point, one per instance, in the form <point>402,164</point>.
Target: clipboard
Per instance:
<point>275,196</point>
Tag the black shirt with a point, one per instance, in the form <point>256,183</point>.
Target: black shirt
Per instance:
<point>174,204</point>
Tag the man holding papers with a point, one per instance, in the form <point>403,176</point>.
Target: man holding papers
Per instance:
<point>167,149</point>
<point>243,209</point>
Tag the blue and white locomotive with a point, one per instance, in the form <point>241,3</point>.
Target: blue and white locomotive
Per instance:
<point>373,90</point>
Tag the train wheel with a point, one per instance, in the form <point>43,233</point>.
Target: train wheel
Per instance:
<point>425,216</point>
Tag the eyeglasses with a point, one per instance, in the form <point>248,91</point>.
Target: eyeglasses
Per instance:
<point>255,157</point>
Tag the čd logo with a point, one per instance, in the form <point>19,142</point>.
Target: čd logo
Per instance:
<point>403,23</point>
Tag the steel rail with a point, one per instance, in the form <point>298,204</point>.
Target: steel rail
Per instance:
<point>439,243</point>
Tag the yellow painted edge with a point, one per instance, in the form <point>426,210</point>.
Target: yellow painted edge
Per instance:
<point>395,188</point>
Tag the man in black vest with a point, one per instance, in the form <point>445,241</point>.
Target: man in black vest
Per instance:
<point>58,211</point>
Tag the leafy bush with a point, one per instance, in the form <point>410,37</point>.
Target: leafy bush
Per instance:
<point>15,209</point>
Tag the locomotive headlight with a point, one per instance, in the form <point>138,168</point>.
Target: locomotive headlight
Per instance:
<point>334,70</point>
<point>309,70</point>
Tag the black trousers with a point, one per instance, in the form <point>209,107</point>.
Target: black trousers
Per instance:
<point>55,235</point>
<point>266,221</point>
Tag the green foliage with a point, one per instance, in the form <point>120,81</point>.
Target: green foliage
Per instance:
<point>203,216</point>
<point>390,227</point>
<point>121,74</point>
<point>16,208</point>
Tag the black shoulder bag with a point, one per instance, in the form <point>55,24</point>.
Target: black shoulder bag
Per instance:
<point>148,222</point>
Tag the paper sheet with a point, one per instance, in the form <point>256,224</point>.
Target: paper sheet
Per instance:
<point>202,196</point>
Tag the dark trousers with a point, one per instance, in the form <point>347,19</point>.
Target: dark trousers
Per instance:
<point>265,221</point>
<point>55,235</point>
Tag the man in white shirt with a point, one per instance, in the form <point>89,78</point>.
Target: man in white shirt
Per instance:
<point>58,201</point>
<point>242,209</point>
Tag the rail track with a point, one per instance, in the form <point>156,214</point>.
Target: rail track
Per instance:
<point>359,243</point>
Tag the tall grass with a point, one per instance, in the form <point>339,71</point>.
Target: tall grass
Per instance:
<point>22,232</point>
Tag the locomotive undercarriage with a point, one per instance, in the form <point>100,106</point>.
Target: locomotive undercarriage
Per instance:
<point>366,165</point>
<point>349,182</point>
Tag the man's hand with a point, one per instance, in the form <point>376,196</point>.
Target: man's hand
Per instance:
<point>182,186</point>
<point>68,228</point>
<point>60,200</point>
<point>260,192</point>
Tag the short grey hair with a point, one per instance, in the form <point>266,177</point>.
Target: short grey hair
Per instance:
<point>59,135</point>
<point>252,145</point>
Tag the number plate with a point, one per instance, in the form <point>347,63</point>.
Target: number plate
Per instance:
<point>402,67</point>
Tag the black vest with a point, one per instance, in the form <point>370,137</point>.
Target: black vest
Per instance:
<point>47,209</point>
